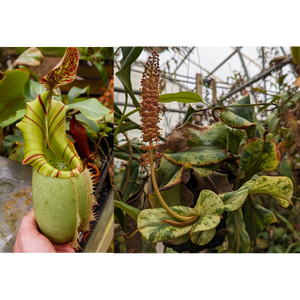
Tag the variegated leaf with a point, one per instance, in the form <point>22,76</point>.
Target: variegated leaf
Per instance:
<point>205,146</point>
<point>209,203</point>
<point>238,238</point>
<point>166,171</point>
<point>203,237</point>
<point>258,156</point>
<point>150,224</point>
<point>200,156</point>
<point>279,187</point>
<point>242,117</point>
<point>215,135</point>
<point>205,171</point>
<point>210,208</point>
<point>64,72</point>
<point>234,200</point>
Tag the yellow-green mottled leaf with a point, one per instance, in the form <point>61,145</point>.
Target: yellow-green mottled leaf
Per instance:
<point>166,171</point>
<point>234,200</point>
<point>238,238</point>
<point>203,237</point>
<point>150,224</point>
<point>279,187</point>
<point>205,171</point>
<point>180,240</point>
<point>200,156</point>
<point>242,117</point>
<point>215,135</point>
<point>258,156</point>
<point>210,208</point>
<point>209,203</point>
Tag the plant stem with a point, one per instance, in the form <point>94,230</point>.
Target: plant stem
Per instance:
<point>127,166</point>
<point>158,195</point>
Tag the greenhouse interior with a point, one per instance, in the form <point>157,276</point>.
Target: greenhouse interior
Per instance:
<point>176,149</point>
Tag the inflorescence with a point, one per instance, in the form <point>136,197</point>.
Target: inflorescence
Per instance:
<point>150,106</point>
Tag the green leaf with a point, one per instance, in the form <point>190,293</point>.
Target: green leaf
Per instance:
<point>19,114</point>
<point>238,239</point>
<point>12,96</point>
<point>36,88</point>
<point>129,126</point>
<point>189,114</point>
<point>281,79</point>
<point>276,249</point>
<point>256,218</point>
<point>182,97</point>
<point>285,170</point>
<point>30,57</point>
<point>134,171</point>
<point>295,98</point>
<point>151,226</point>
<point>91,108</point>
<point>172,197</point>
<point>93,125</point>
<point>296,54</point>
<point>101,70</point>
<point>287,222</point>
<point>131,211</point>
<point>130,54</point>
<point>259,90</point>
<point>75,92</point>
<point>37,135</point>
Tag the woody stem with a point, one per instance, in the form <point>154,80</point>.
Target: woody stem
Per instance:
<point>157,192</point>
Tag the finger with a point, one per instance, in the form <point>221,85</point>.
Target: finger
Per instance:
<point>28,222</point>
<point>64,248</point>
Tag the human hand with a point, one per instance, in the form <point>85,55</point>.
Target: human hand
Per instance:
<point>30,240</point>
